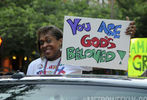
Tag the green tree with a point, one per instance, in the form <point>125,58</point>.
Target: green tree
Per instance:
<point>19,20</point>
<point>137,11</point>
<point>18,25</point>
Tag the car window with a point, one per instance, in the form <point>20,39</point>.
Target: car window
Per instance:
<point>67,92</point>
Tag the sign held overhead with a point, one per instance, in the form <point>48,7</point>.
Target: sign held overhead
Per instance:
<point>95,42</point>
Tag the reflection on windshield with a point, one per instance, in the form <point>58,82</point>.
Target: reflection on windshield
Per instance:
<point>10,92</point>
<point>67,92</point>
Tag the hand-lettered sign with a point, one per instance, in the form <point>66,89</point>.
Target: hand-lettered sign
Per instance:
<point>95,42</point>
<point>138,57</point>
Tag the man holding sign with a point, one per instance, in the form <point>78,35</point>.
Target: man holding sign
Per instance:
<point>86,42</point>
<point>49,44</point>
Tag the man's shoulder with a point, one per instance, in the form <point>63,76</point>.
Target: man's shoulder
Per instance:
<point>36,61</point>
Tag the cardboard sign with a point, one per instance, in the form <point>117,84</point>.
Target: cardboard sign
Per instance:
<point>95,42</point>
<point>138,57</point>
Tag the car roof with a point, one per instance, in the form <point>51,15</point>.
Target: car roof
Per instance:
<point>97,80</point>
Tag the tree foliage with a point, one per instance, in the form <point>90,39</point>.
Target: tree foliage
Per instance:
<point>19,19</point>
<point>137,11</point>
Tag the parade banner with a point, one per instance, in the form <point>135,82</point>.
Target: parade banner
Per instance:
<point>95,42</point>
<point>138,57</point>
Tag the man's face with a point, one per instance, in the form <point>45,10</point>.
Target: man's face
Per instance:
<point>50,46</point>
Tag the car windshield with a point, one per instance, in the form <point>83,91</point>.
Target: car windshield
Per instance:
<point>68,92</point>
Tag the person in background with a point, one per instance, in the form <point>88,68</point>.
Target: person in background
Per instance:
<point>49,43</point>
<point>6,66</point>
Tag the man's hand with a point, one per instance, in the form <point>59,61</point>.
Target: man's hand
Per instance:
<point>131,29</point>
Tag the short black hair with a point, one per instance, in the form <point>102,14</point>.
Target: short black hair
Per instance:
<point>53,30</point>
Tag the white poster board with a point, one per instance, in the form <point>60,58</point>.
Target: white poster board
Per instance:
<point>95,42</point>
